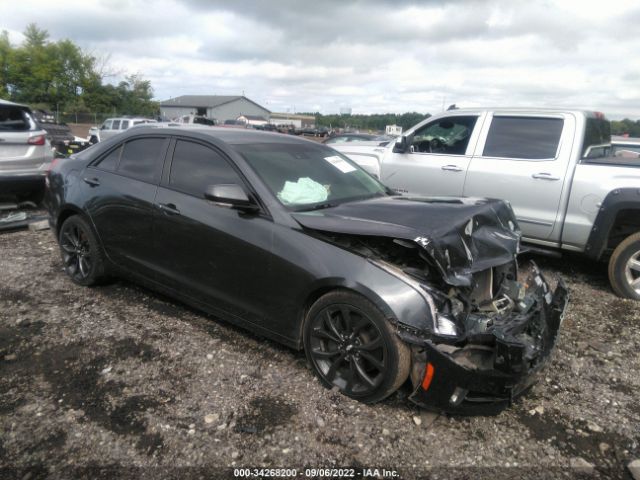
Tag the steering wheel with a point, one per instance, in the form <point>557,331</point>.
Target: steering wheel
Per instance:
<point>436,146</point>
<point>422,146</point>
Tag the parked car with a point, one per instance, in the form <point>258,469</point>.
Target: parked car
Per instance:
<point>380,140</point>
<point>62,139</point>
<point>295,242</point>
<point>25,152</point>
<point>625,146</point>
<point>114,126</point>
<point>549,164</point>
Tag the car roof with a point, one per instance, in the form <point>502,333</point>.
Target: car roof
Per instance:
<point>13,104</point>
<point>231,136</point>
<point>619,140</point>
<point>518,110</point>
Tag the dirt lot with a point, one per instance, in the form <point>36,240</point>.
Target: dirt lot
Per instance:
<point>117,380</point>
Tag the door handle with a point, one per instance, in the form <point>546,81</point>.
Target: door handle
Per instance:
<point>94,182</point>
<point>451,168</point>
<point>545,176</point>
<point>169,208</point>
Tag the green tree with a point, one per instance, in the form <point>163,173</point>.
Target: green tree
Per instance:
<point>59,74</point>
<point>5,61</point>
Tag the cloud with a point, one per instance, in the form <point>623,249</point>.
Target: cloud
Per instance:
<point>375,56</point>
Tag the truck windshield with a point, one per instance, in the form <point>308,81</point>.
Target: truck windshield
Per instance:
<point>304,177</point>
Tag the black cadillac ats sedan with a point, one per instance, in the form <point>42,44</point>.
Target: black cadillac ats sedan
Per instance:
<point>293,241</point>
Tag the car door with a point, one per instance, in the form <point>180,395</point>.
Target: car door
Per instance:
<point>524,159</point>
<point>121,187</point>
<point>211,252</point>
<point>437,159</point>
<point>105,129</point>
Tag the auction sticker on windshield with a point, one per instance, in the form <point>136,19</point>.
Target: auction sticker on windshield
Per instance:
<point>340,164</point>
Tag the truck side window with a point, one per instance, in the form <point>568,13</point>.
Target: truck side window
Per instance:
<point>116,125</point>
<point>449,136</point>
<point>528,138</point>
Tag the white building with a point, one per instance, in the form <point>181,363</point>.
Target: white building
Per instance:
<point>218,107</point>
<point>297,120</point>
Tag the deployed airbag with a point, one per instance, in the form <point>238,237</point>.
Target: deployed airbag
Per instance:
<point>304,191</point>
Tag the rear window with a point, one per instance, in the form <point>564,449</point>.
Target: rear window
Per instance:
<point>597,132</point>
<point>140,158</point>
<point>13,119</point>
<point>529,138</point>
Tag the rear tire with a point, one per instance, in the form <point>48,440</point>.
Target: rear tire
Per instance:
<point>352,346</point>
<point>82,256</point>
<point>624,268</point>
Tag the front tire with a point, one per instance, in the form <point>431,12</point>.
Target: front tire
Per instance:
<point>624,268</point>
<point>352,346</point>
<point>82,256</point>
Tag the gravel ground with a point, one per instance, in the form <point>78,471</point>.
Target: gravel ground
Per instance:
<point>118,380</point>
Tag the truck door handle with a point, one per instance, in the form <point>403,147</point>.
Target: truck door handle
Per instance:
<point>545,176</point>
<point>94,182</point>
<point>451,168</point>
<point>169,208</point>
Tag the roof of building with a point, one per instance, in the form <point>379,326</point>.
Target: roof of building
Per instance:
<point>210,101</point>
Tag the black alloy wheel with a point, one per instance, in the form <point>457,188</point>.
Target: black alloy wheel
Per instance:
<point>351,346</point>
<point>81,255</point>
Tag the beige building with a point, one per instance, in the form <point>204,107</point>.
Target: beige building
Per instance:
<point>298,121</point>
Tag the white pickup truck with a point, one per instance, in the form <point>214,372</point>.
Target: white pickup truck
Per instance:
<point>551,165</point>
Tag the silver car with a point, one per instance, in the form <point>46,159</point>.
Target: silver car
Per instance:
<point>25,151</point>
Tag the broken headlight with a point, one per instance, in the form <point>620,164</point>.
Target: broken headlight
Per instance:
<point>445,326</point>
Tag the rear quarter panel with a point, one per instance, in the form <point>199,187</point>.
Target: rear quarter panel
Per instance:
<point>591,184</point>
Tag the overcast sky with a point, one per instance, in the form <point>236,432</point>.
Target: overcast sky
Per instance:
<point>374,56</point>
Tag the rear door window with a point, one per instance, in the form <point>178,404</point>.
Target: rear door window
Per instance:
<point>110,161</point>
<point>142,157</point>
<point>13,119</point>
<point>124,125</point>
<point>196,166</point>
<point>528,138</point>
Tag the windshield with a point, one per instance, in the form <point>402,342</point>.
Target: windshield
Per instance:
<point>308,176</point>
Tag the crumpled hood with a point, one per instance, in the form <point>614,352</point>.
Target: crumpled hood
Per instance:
<point>461,235</point>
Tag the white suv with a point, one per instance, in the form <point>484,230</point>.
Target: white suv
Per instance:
<point>113,126</point>
<point>25,151</point>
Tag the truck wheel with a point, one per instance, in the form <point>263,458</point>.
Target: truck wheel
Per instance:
<point>624,268</point>
<point>352,346</point>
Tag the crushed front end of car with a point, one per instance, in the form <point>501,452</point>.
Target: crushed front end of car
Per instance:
<point>477,362</point>
<point>488,329</point>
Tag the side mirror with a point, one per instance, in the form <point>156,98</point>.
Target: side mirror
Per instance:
<point>403,144</point>
<point>230,194</point>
